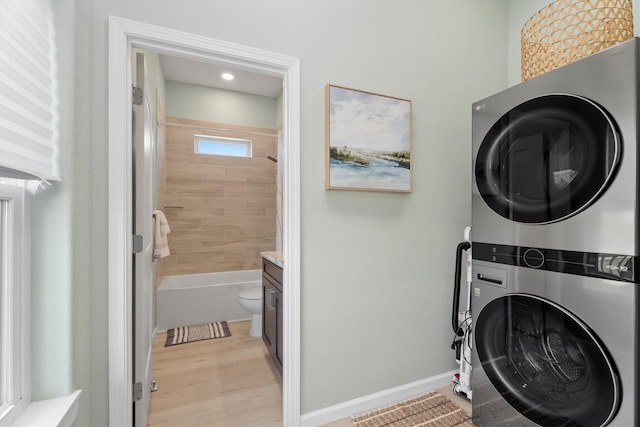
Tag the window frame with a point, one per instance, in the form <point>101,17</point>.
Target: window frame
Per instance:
<point>15,305</point>
<point>223,140</point>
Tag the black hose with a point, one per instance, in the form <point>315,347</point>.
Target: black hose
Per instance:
<point>463,246</point>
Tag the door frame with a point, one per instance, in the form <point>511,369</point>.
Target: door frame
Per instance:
<point>123,36</point>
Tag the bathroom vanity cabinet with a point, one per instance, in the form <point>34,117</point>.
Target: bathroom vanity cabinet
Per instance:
<point>272,310</point>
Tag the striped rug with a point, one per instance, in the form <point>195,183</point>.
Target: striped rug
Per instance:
<point>430,409</point>
<point>206,331</point>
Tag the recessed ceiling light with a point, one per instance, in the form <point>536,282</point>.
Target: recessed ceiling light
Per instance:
<point>227,76</point>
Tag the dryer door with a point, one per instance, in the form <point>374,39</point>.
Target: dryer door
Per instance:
<point>547,159</point>
<point>546,363</point>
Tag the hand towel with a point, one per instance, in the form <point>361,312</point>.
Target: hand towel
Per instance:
<point>160,231</point>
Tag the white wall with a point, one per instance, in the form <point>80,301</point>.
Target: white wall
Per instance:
<point>376,267</point>
<point>52,308</point>
<point>218,105</point>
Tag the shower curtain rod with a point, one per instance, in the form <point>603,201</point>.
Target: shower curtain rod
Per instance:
<point>246,132</point>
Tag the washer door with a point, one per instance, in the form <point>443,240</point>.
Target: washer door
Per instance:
<point>546,363</point>
<point>547,159</point>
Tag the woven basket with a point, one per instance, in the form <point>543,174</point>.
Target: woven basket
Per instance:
<point>567,30</point>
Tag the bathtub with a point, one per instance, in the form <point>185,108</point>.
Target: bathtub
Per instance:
<point>192,299</point>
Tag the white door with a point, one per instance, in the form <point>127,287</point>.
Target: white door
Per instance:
<point>143,277</point>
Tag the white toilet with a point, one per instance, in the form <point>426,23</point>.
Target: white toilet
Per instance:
<point>251,300</point>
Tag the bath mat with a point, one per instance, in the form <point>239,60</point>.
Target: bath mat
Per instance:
<point>206,331</point>
<point>430,409</point>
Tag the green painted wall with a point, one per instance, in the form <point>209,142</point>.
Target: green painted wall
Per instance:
<point>376,267</point>
<point>222,106</point>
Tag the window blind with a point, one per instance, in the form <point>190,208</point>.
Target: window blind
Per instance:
<point>28,119</point>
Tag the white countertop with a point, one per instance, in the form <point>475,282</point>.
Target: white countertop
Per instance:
<point>274,256</point>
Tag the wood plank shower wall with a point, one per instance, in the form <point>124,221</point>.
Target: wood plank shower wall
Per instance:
<point>228,213</point>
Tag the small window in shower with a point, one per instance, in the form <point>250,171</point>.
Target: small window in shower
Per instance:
<point>221,146</point>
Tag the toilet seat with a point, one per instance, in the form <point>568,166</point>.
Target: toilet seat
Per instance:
<point>251,294</point>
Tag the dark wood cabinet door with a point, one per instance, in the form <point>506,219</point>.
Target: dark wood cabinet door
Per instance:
<point>279,338</point>
<point>272,310</point>
<point>268,315</point>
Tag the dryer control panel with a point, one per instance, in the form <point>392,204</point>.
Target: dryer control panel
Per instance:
<point>608,266</point>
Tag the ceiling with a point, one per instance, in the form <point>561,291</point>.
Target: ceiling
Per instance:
<point>209,75</point>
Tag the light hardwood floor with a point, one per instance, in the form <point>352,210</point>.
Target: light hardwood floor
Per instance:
<point>223,382</point>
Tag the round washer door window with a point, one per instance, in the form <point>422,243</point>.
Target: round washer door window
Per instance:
<point>546,363</point>
<point>547,159</point>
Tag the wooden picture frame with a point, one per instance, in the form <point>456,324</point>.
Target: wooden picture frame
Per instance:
<point>369,141</point>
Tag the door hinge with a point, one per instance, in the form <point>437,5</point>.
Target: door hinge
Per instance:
<point>137,392</point>
<point>137,243</point>
<point>137,95</point>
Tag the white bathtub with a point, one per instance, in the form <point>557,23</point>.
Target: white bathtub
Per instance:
<point>192,299</point>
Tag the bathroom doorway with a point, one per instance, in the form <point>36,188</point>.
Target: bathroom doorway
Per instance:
<point>217,174</point>
<point>124,35</point>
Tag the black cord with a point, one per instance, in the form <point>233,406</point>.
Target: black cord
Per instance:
<point>463,332</point>
<point>468,337</point>
<point>467,324</point>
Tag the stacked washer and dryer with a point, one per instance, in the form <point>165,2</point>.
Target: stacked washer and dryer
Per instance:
<point>556,247</point>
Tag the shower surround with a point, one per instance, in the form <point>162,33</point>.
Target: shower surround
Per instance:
<point>222,210</point>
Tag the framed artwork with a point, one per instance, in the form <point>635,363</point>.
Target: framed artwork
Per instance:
<point>368,141</point>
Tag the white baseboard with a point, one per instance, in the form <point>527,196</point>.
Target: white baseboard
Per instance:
<point>375,400</point>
